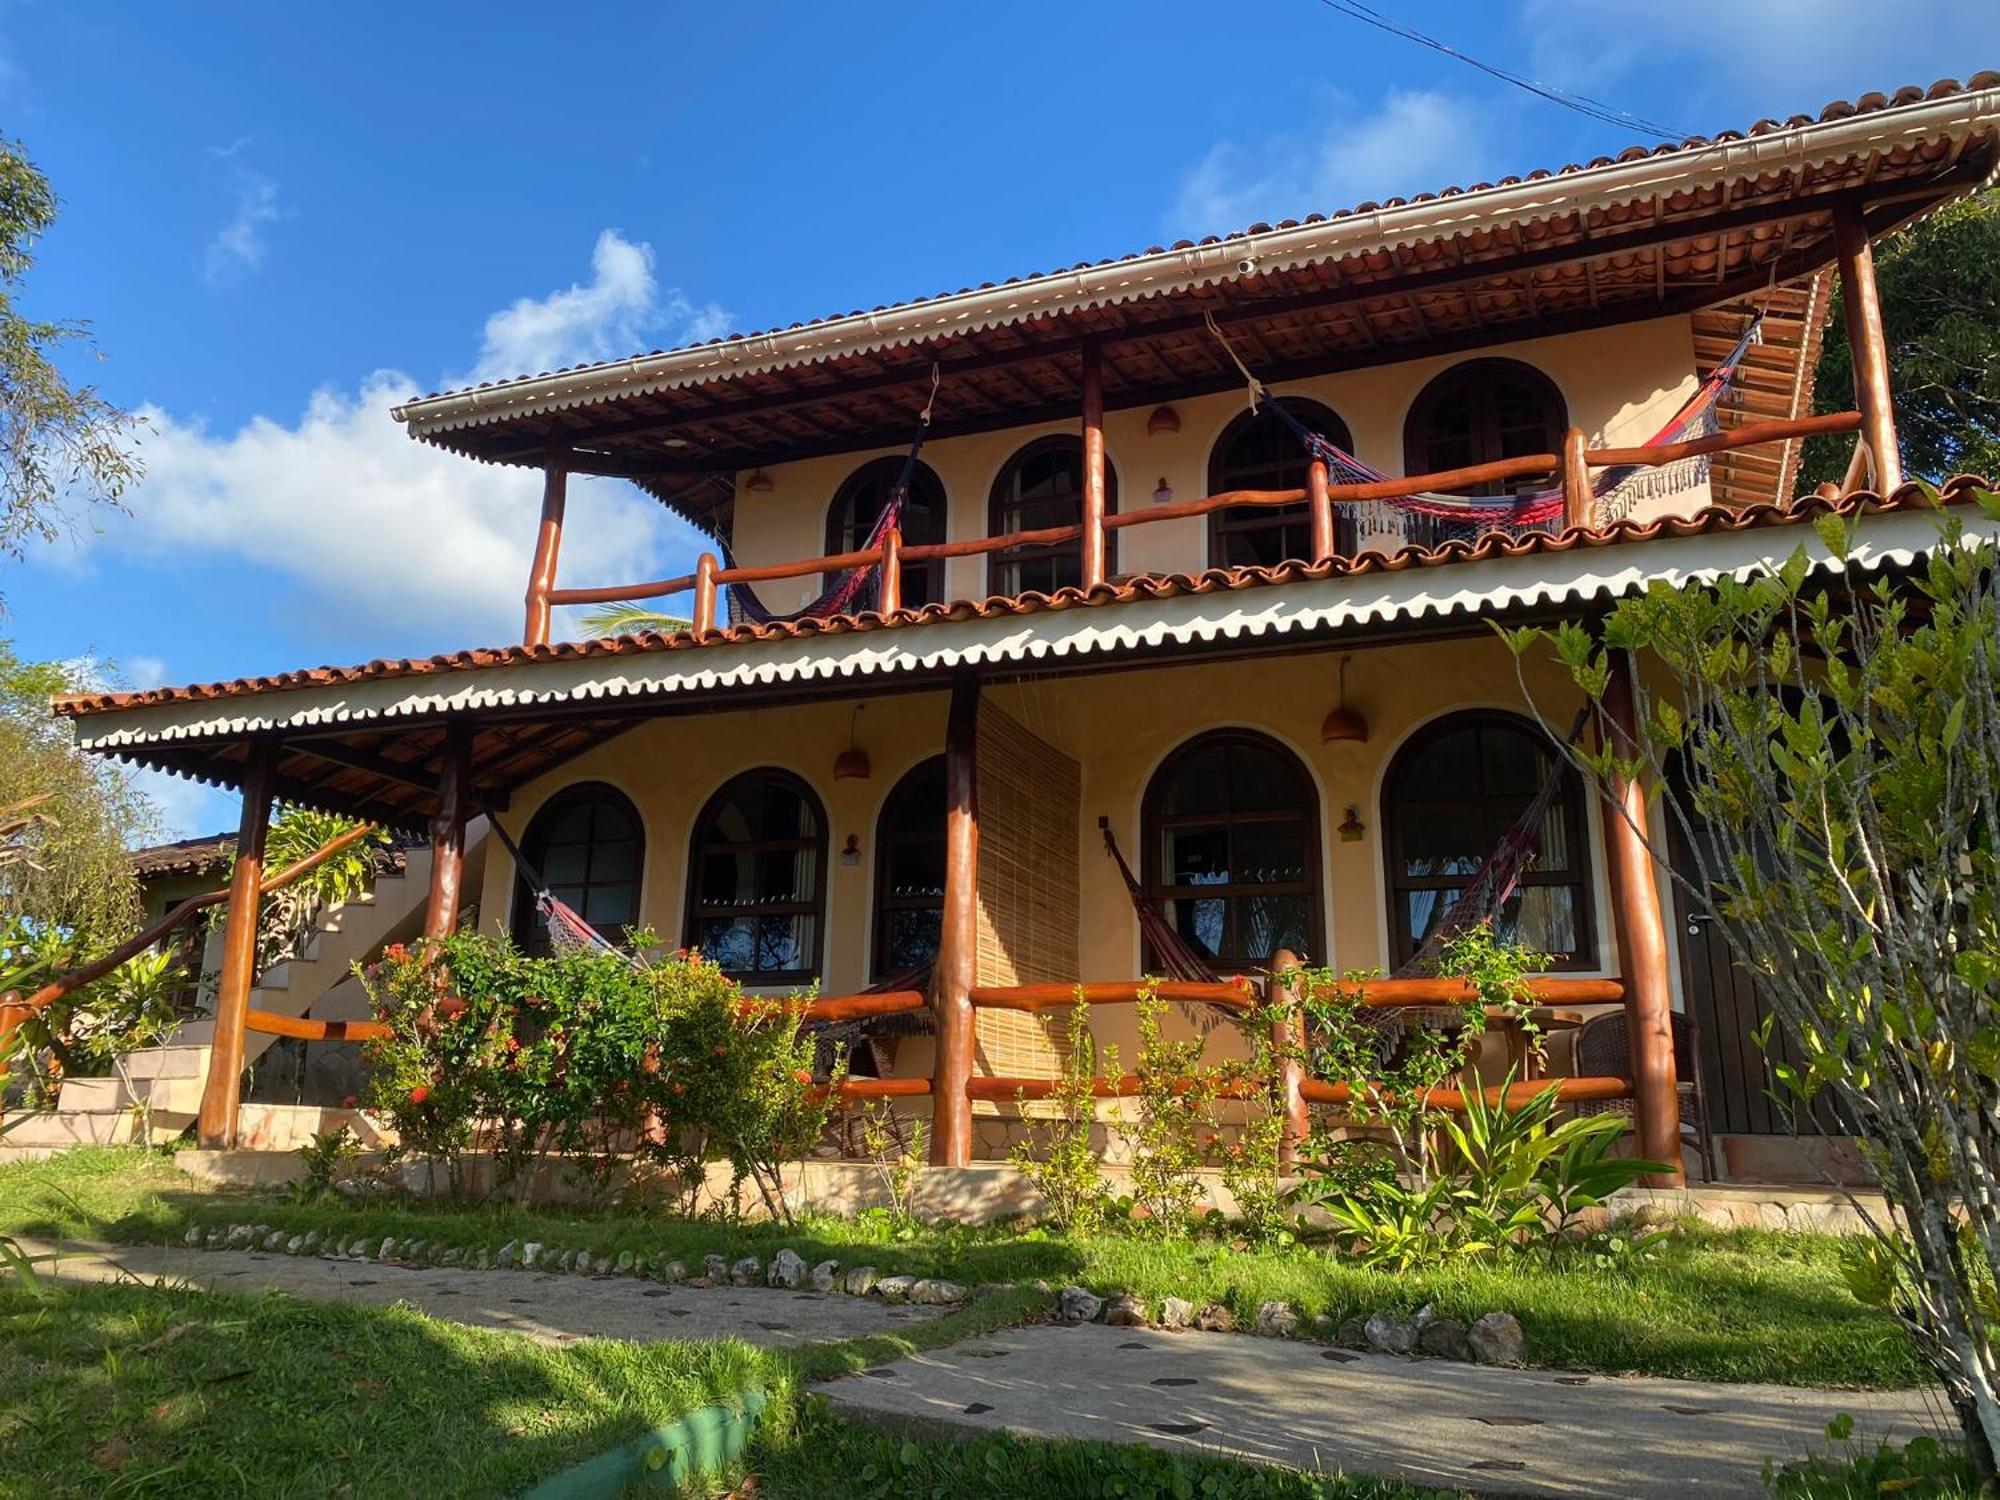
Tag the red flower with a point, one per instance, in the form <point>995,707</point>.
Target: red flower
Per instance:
<point>395,953</point>
<point>681,954</point>
<point>419,1094</point>
<point>349,1102</point>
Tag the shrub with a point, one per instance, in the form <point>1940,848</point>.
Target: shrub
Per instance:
<point>585,1054</point>
<point>1058,1154</point>
<point>1177,1094</point>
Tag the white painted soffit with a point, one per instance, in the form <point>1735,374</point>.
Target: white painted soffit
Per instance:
<point>1409,596</point>
<point>1168,271</point>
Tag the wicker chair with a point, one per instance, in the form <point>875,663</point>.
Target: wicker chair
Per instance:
<point>1604,1050</point>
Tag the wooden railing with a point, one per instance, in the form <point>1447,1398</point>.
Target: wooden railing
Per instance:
<point>1572,468</point>
<point>1295,1093</point>
<point>14,1009</point>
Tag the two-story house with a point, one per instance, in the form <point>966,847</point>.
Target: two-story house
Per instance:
<point>1253,644</point>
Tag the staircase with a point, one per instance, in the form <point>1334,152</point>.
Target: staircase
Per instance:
<point>156,1092</point>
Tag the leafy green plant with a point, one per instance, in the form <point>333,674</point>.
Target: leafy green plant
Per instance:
<point>290,913</point>
<point>327,1157</point>
<point>1176,1114</point>
<point>83,1034</point>
<point>1058,1154</point>
<point>1826,738</point>
<point>1251,1163</point>
<point>896,1148</point>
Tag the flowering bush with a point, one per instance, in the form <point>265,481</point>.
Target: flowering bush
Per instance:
<point>585,1056</point>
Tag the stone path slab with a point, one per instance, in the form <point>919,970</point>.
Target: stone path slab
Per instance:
<point>554,1309</point>
<point>1521,1432</point>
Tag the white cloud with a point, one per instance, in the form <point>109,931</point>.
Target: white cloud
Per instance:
<point>185,808</point>
<point>1414,141</point>
<point>1782,57</point>
<point>239,246</point>
<point>429,545</point>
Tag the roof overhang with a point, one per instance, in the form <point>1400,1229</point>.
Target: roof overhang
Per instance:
<point>1653,232</point>
<point>378,730</point>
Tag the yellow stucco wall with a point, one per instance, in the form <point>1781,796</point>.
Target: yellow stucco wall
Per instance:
<point>1118,726</point>
<point>1620,384</point>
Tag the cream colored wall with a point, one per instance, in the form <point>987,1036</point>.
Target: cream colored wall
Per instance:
<point>1620,384</point>
<point>1119,726</point>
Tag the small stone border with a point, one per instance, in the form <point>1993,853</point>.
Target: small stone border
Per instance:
<point>787,1271</point>
<point>1494,1339</point>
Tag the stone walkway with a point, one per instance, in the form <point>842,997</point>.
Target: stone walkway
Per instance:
<point>554,1309</point>
<point>1533,1432</point>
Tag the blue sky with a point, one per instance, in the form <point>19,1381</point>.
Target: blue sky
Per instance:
<point>281,219</point>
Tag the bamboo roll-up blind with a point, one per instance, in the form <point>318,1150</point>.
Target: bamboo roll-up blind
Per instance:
<point>1030,805</point>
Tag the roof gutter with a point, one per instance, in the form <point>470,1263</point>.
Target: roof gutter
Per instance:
<point>1230,259</point>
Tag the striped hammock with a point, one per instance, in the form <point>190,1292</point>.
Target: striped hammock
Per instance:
<point>1428,519</point>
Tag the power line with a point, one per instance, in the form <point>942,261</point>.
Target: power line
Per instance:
<point>1583,104</point>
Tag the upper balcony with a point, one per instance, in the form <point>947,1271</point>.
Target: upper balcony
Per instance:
<point>1080,421</point>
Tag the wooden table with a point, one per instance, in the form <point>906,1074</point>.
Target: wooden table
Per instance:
<point>1525,1061</point>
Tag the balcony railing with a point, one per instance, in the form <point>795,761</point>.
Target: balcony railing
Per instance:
<point>1573,467</point>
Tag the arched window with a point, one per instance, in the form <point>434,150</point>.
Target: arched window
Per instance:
<point>1452,794</point>
<point>757,888</point>
<point>589,847</point>
<point>1231,853</point>
<point>1258,451</point>
<point>909,872</point>
<point>858,505</point>
<point>1042,486</point>
<point>1482,410</point>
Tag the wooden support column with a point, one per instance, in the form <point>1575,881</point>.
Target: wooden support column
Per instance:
<point>892,571</point>
<point>1642,941</point>
<point>1869,349</point>
<point>1288,1034</point>
<point>1577,497</point>
<point>448,833</point>
<point>215,1125</point>
<point>1321,505</point>
<point>704,593</point>
<point>958,940</point>
<point>1094,535</point>
<point>548,542</point>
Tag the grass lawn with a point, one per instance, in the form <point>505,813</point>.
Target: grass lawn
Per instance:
<point>1746,1305</point>
<point>825,1457</point>
<point>135,1391</point>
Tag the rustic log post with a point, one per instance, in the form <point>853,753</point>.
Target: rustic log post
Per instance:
<point>1095,550</point>
<point>548,542</point>
<point>1869,349</point>
<point>704,593</point>
<point>1642,938</point>
<point>958,940</point>
<point>1578,501</point>
<point>448,833</point>
<point>1321,504</point>
<point>892,571</point>
<point>1288,1033</point>
<point>215,1125</point>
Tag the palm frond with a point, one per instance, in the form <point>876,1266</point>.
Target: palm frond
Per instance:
<point>628,618</point>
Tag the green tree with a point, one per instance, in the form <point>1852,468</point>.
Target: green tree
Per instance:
<point>1940,288</point>
<point>71,870</point>
<point>1834,750</point>
<point>61,445</point>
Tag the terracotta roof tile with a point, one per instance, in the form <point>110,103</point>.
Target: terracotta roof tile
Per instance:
<point>1839,109</point>
<point>1714,519</point>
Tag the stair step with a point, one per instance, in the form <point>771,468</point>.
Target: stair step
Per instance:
<point>95,1127</point>
<point>90,1095</point>
<point>176,1060</point>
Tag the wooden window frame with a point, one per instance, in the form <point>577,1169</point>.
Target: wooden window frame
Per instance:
<point>522,920</point>
<point>1251,519</point>
<point>1420,426</point>
<point>923,582</point>
<point>1581,876</point>
<point>999,496</point>
<point>699,847</point>
<point>886,839</point>
<point>1153,823</point>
